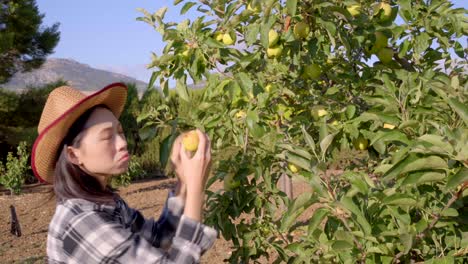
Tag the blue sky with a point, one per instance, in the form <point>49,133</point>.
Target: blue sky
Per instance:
<point>106,35</point>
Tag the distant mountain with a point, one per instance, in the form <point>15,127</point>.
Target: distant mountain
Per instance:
<point>78,75</point>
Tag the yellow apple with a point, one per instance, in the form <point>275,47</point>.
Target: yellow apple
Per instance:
<point>384,9</point>
<point>301,30</point>
<point>229,38</point>
<point>318,112</point>
<point>190,140</point>
<point>256,8</point>
<point>275,52</point>
<point>241,114</point>
<point>354,10</point>
<point>218,36</point>
<point>273,38</point>
<point>389,126</point>
<point>360,143</point>
<point>335,123</point>
<point>269,87</point>
<point>385,55</point>
<point>312,71</point>
<point>293,168</point>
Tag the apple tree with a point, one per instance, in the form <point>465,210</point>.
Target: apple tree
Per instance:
<point>363,101</point>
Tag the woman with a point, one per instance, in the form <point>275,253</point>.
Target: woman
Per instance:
<point>80,147</point>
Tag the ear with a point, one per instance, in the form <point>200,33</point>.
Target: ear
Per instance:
<point>73,155</point>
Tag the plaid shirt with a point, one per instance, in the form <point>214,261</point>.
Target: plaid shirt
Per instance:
<point>85,232</point>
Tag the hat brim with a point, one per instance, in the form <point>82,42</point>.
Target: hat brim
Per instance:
<point>43,155</point>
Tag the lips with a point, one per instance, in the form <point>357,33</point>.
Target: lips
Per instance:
<point>124,157</point>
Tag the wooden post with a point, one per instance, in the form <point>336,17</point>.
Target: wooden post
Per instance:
<point>15,225</point>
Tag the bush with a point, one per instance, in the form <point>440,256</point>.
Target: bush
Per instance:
<point>13,174</point>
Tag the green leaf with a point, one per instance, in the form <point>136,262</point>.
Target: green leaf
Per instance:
<point>399,199</point>
<point>360,219</point>
<point>297,160</point>
<point>296,150</point>
<point>459,49</point>
<point>317,219</point>
<point>308,139</point>
<point>423,177</point>
<point>186,7</point>
<point>386,136</point>
<point>449,212</point>
<point>252,33</point>
<point>181,89</point>
<point>407,241</point>
<point>153,78</point>
<point>296,208</point>
<point>456,179</point>
<point>350,111</point>
<point>414,163</point>
<point>165,149</point>
<point>434,143</point>
<point>291,5</point>
<point>325,143</point>
<point>244,81</point>
<point>460,108</point>
<point>341,245</point>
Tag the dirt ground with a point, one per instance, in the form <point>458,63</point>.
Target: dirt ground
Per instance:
<point>35,212</point>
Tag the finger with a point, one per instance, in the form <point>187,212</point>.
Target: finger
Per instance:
<point>202,143</point>
<point>208,145</point>
<point>176,149</point>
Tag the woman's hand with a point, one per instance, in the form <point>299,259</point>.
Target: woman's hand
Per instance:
<point>181,188</point>
<point>194,171</point>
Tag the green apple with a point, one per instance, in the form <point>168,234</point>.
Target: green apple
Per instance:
<point>229,38</point>
<point>273,38</point>
<point>275,52</point>
<point>381,41</point>
<point>229,183</point>
<point>360,143</point>
<point>301,30</point>
<point>354,10</point>
<point>312,71</point>
<point>385,55</point>
<point>384,9</point>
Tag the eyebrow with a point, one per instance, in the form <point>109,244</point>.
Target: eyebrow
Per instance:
<point>110,128</point>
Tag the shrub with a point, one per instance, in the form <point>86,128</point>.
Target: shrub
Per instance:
<point>13,174</point>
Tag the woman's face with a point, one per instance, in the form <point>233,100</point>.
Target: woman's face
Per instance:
<point>102,150</point>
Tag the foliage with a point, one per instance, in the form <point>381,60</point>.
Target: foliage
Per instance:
<point>13,173</point>
<point>382,140</point>
<point>24,41</point>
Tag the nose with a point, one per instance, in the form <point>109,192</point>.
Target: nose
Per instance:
<point>121,142</point>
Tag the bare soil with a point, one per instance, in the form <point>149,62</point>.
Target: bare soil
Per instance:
<point>35,211</point>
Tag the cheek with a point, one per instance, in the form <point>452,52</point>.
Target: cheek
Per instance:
<point>99,152</point>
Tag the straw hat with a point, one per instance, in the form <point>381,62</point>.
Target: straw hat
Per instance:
<point>63,107</point>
